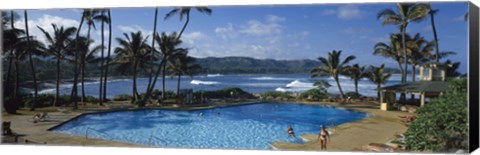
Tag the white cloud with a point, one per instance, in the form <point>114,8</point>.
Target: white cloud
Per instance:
<point>348,12</point>
<point>190,38</point>
<point>274,19</point>
<point>258,28</point>
<point>45,22</point>
<point>227,32</point>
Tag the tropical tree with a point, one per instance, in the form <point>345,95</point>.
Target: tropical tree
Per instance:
<point>332,66</point>
<point>452,69</point>
<point>392,50</point>
<point>132,51</point>
<point>322,85</point>
<point>419,51</point>
<point>152,52</point>
<point>182,64</point>
<point>107,65</point>
<point>377,76</point>
<point>74,94</point>
<point>356,73</point>
<point>102,18</point>
<point>406,13</point>
<point>432,12</point>
<point>57,45</point>
<point>168,45</point>
<point>185,11</point>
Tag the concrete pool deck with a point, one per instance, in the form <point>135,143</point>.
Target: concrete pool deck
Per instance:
<point>380,127</point>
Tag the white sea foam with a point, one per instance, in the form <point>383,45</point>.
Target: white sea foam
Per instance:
<point>214,75</point>
<point>199,82</point>
<point>298,83</point>
<point>269,78</point>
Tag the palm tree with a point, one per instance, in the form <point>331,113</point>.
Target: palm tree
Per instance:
<point>406,13</point>
<point>432,13</point>
<point>182,64</point>
<point>419,51</point>
<point>90,15</point>
<point>452,70</point>
<point>102,18</point>
<point>392,50</point>
<point>185,11</point>
<point>107,65</point>
<point>168,47</point>
<point>152,52</point>
<point>377,76</point>
<point>73,96</point>
<point>131,52</point>
<point>356,73</point>
<point>323,85</point>
<point>57,44</point>
<point>35,85</point>
<point>332,66</point>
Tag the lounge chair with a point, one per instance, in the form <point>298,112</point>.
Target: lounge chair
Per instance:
<point>6,128</point>
<point>40,117</point>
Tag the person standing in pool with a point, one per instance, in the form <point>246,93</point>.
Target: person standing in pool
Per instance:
<point>290,131</point>
<point>322,137</point>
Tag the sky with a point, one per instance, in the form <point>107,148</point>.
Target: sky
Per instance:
<point>282,32</point>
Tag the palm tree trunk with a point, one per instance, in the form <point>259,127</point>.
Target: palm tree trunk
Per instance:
<point>83,82</point>
<point>17,75</point>
<point>356,86</point>
<point>339,87</point>
<point>149,90</point>
<point>378,90</point>
<point>413,80</point>
<point>57,91</point>
<point>404,76</point>
<point>100,95</point>
<point>432,20</point>
<point>73,96</point>
<point>108,55</point>
<point>152,51</point>
<point>178,84</point>
<point>134,86</point>
<point>35,87</point>
<point>83,57</point>
<point>184,26</point>
<point>163,79</point>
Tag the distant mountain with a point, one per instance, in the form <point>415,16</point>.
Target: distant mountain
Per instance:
<point>247,65</point>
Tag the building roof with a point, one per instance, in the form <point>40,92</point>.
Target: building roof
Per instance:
<point>418,87</point>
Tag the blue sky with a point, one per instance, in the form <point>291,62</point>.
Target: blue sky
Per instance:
<point>282,32</point>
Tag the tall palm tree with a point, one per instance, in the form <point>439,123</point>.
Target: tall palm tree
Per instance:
<point>102,18</point>
<point>432,13</point>
<point>57,44</point>
<point>406,13</point>
<point>107,65</point>
<point>419,51</point>
<point>182,64</point>
<point>392,50</point>
<point>332,66</point>
<point>168,45</point>
<point>377,76</point>
<point>74,94</point>
<point>356,73</point>
<point>131,52</point>
<point>185,11</point>
<point>152,52</point>
<point>91,16</point>
<point>35,85</point>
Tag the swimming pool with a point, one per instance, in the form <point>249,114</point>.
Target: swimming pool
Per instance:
<point>253,126</point>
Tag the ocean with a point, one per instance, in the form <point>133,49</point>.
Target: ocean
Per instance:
<point>253,83</point>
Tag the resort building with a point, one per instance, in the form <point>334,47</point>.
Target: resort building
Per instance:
<point>432,84</point>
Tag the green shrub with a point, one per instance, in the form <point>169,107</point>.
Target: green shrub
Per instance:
<point>353,95</point>
<point>169,94</point>
<point>91,99</point>
<point>442,124</point>
<point>315,93</point>
<point>122,97</point>
<point>225,93</point>
<point>276,94</point>
<point>156,93</point>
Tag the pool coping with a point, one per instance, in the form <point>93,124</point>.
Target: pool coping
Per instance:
<point>272,146</point>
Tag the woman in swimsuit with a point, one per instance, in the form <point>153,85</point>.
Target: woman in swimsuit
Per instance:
<point>290,131</point>
<point>322,137</point>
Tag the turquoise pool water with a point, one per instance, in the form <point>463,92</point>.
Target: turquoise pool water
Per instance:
<point>253,126</point>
